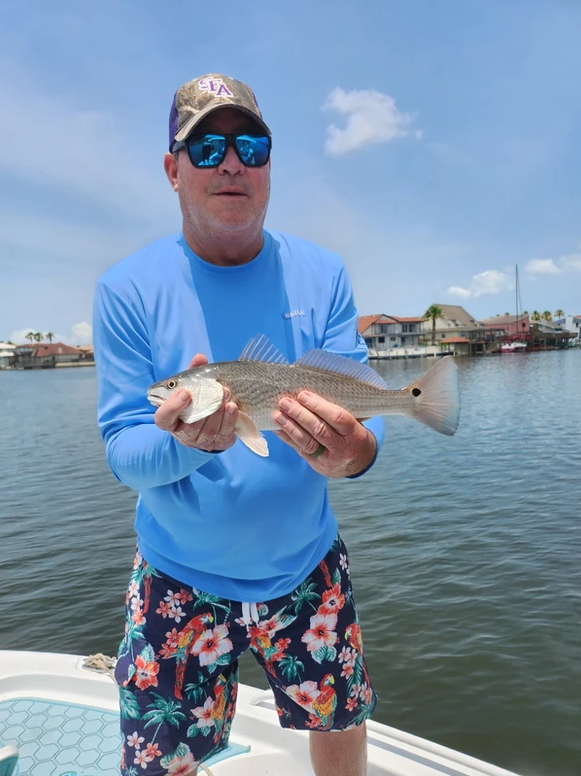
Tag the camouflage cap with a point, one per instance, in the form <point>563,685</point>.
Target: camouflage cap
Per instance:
<point>197,98</point>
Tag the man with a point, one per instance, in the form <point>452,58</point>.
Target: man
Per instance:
<point>235,551</point>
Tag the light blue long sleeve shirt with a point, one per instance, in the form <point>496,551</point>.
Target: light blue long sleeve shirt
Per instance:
<point>232,524</point>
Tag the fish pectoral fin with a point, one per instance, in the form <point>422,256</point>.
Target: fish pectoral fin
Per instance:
<point>247,432</point>
<point>204,402</point>
<point>192,414</point>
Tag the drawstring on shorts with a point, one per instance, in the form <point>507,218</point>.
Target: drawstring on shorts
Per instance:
<point>249,613</point>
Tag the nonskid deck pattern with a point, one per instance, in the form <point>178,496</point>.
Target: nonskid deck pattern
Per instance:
<point>62,739</point>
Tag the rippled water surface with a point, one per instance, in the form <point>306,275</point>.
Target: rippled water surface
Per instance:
<point>465,552</point>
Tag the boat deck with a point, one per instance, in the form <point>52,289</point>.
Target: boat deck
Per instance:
<point>64,721</point>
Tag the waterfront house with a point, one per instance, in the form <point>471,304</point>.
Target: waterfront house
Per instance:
<point>456,323</point>
<point>548,335</point>
<point>572,324</point>
<point>384,333</point>
<point>508,325</point>
<point>456,346</point>
<point>45,356</point>
<point>6,354</point>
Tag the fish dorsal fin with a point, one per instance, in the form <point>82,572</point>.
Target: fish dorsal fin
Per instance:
<point>260,348</point>
<point>341,365</point>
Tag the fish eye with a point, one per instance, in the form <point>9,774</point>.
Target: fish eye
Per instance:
<point>171,384</point>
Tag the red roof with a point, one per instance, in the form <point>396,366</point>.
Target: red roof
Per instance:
<point>365,321</point>
<point>56,349</point>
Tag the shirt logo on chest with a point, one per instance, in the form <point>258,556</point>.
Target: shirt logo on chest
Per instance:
<point>293,314</point>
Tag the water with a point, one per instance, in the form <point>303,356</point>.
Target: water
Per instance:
<point>465,552</point>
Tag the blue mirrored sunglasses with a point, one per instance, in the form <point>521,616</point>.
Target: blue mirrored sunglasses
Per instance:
<point>210,149</point>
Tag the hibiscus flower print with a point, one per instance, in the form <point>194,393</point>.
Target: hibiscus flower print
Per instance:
<point>145,673</point>
<point>303,694</point>
<point>181,765</point>
<point>333,600</point>
<point>321,633</point>
<point>204,714</point>
<point>211,644</point>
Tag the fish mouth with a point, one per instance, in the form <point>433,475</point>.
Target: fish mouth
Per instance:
<point>155,399</point>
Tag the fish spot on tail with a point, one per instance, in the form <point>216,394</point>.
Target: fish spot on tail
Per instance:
<point>416,392</point>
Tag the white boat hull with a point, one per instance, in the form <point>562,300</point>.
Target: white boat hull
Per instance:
<point>49,678</point>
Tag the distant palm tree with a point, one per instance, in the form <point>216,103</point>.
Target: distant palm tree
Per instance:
<point>548,316</point>
<point>432,314</point>
<point>49,335</point>
<point>38,336</point>
<point>525,312</point>
<point>507,313</point>
<point>536,316</point>
<point>559,313</point>
<point>30,335</point>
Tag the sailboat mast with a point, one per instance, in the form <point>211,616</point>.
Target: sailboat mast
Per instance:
<point>517,297</point>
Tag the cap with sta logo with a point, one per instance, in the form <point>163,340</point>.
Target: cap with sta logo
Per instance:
<point>196,99</point>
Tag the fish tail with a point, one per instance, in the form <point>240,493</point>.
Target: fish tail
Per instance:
<point>437,398</point>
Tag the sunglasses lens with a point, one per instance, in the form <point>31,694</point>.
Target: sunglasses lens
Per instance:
<point>206,150</point>
<point>253,149</point>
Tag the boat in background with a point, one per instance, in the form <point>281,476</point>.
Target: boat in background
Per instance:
<point>59,716</point>
<point>514,346</point>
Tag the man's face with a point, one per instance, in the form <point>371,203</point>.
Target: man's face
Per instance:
<point>229,197</point>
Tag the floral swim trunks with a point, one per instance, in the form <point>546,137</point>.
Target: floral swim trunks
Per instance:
<point>177,667</point>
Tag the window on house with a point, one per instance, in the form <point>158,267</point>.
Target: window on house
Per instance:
<point>381,339</point>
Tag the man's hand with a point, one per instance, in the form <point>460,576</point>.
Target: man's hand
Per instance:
<point>313,421</point>
<point>216,432</point>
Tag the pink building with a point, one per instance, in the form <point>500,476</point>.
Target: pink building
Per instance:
<point>512,325</point>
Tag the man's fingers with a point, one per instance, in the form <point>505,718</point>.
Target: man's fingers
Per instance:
<point>336,417</point>
<point>198,360</point>
<point>300,434</point>
<point>302,424</point>
<point>219,426</point>
<point>167,415</point>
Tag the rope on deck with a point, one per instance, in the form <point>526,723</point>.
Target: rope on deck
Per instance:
<point>101,664</point>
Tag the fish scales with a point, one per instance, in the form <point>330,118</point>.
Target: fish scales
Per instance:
<point>256,389</point>
<point>262,376</point>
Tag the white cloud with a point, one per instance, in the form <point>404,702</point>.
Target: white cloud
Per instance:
<point>489,282</point>
<point>542,267</point>
<point>569,263</point>
<point>80,334</point>
<point>465,293</point>
<point>373,117</point>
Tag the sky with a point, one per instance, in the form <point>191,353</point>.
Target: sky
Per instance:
<point>433,145</point>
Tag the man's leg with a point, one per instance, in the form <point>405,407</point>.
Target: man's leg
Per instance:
<point>342,753</point>
<point>309,643</point>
